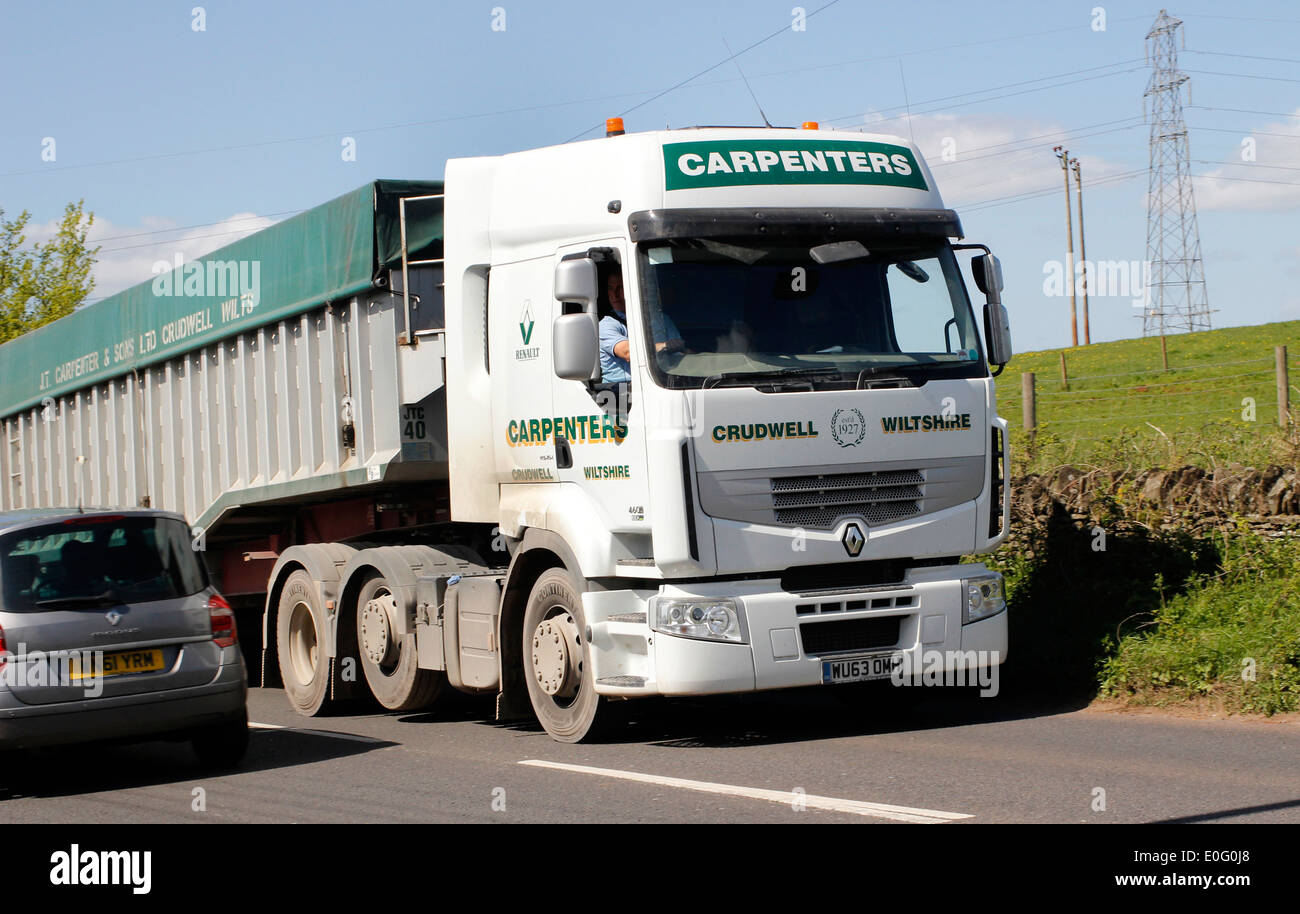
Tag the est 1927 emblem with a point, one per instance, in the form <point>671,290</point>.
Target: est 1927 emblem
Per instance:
<point>848,428</point>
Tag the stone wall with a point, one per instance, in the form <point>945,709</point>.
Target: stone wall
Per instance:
<point>1191,498</point>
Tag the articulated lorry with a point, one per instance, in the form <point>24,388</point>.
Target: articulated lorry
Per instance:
<point>667,413</point>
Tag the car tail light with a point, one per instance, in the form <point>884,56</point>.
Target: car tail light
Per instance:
<point>4,649</point>
<point>223,621</point>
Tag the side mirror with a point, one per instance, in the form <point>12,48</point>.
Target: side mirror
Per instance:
<point>575,343</point>
<point>997,333</point>
<point>988,276</point>
<point>575,281</point>
<point>997,326</point>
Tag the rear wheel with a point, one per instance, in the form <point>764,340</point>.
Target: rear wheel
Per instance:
<point>390,660</point>
<point>222,746</point>
<point>299,627</point>
<point>557,664</point>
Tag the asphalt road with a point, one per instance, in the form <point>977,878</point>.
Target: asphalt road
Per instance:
<point>794,757</point>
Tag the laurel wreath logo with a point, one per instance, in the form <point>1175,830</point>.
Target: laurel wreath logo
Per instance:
<point>849,414</point>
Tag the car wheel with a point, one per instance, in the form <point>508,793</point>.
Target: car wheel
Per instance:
<point>223,745</point>
<point>390,661</point>
<point>300,627</point>
<point>557,663</point>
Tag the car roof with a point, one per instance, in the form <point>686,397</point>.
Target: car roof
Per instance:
<point>32,517</point>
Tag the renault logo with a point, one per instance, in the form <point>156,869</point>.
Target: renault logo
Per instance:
<point>114,617</point>
<point>853,540</point>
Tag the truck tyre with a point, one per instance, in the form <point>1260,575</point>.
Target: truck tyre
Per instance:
<point>556,658</point>
<point>390,661</point>
<point>222,745</point>
<point>300,624</point>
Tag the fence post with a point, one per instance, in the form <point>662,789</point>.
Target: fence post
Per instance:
<point>1283,386</point>
<point>1029,411</point>
<point>1065,377</point>
<point>1164,353</point>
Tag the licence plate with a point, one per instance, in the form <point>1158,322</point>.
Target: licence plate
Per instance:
<point>861,669</point>
<point>117,663</point>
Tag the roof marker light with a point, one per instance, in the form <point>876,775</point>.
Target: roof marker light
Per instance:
<point>613,126</point>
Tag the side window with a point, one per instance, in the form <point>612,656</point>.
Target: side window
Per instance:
<point>919,306</point>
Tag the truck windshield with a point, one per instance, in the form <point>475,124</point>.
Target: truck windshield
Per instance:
<point>728,312</point>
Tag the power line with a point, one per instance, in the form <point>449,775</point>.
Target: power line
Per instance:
<point>1031,148</point>
<point>1031,194</point>
<point>1278,79</point>
<point>184,228</point>
<point>1246,132</point>
<point>943,98</point>
<point>1244,111</point>
<point>1246,164</point>
<point>1245,56</point>
<point>1247,180</point>
<point>781,31</point>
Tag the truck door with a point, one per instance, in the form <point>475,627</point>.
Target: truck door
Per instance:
<point>599,439</point>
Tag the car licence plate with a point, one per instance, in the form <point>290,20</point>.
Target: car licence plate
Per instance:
<point>117,663</point>
<point>861,669</point>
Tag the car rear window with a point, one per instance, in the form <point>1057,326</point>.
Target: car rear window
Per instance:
<point>132,559</point>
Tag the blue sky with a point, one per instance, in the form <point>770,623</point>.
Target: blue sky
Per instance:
<point>180,139</point>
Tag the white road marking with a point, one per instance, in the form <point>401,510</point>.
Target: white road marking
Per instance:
<point>789,798</point>
<point>253,725</point>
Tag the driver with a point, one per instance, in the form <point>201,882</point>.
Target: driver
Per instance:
<point>615,351</point>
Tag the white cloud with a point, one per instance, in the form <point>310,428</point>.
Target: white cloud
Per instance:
<point>1270,182</point>
<point>128,253</point>
<point>980,158</point>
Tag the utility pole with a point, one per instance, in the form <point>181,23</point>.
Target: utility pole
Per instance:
<point>1064,156</point>
<point>1083,253</point>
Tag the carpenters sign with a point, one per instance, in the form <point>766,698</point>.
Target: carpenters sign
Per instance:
<point>779,161</point>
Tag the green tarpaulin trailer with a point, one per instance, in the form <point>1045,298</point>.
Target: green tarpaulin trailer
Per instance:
<point>266,371</point>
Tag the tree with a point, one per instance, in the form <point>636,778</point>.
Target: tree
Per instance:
<point>48,280</point>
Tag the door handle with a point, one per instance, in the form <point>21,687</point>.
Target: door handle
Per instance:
<point>563,453</point>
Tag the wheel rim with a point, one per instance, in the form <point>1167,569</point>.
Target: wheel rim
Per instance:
<point>302,644</point>
<point>557,657</point>
<point>377,640</point>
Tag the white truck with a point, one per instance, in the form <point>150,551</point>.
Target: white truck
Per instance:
<point>668,413</point>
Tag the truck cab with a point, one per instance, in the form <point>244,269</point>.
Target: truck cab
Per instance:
<point>775,485</point>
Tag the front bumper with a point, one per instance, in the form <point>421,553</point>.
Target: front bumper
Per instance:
<point>787,643</point>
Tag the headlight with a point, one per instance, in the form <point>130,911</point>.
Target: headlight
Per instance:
<point>713,620</point>
<point>983,597</point>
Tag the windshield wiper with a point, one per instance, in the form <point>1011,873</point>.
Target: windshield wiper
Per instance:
<point>773,373</point>
<point>108,597</point>
<point>892,372</point>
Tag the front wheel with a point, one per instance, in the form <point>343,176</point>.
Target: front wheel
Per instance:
<point>557,663</point>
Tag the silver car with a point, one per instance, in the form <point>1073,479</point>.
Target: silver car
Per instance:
<point>110,629</point>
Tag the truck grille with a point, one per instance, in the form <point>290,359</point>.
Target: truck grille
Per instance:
<point>818,501</point>
<point>849,634</point>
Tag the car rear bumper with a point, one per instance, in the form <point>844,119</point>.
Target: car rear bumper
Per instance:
<point>149,714</point>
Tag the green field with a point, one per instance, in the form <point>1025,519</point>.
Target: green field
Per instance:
<point>1161,616</point>
<point>1120,407</point>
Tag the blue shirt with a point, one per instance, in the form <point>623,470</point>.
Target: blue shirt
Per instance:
<point>613,330</point>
